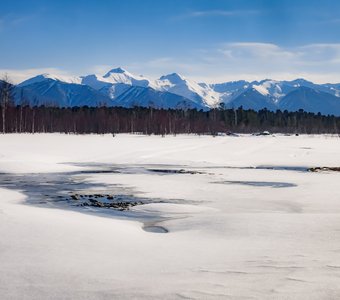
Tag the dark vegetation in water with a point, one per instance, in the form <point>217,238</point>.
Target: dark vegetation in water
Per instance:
<point>175,171</point>
<point>118,202</point>
<point>274,168</point>
<point>325,169</point>
<point>102,119</point>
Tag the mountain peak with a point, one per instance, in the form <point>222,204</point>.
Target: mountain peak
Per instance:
<point>47,76</point>
<point>301,81</point>
<point>173,78</point>
<point>118,70</point>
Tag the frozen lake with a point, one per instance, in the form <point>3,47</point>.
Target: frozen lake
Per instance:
<point>183,217</point>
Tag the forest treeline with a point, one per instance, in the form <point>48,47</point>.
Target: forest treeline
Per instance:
<point>159,121</point>
<point>81,120</point>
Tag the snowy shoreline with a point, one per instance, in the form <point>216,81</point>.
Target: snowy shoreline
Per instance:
<point>248,221</point>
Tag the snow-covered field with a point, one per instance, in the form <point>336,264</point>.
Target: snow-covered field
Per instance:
<point>250,224</point>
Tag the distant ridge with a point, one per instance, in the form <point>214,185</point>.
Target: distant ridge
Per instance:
<point>118,87</point>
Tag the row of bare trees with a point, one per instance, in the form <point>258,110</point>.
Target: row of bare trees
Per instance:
<point>6,99</point>
<point>100,120</point>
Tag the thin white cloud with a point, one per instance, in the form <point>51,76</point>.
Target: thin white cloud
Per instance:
<point>233,76</point>
<point>13,20</point>
<point>161,61</point>
<point>231,61</point>
<point>253,61</point>
<point>322,53</point>
<point>19,75</point>
<point>333,21</point>
<point>222,13</point>
<point>102,69</point>
<point>157,67</point>
<point>252,50</point>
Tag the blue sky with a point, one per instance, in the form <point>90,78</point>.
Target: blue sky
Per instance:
<point>211,40</point>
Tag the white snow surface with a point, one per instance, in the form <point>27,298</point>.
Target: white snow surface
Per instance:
<point>270,88</point>
<point>261,89</point>
<point>226,241</point>
<point>180,85</point>
<point>117,76</point>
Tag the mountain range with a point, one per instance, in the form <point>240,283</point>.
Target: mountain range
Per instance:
<point>119,87</point>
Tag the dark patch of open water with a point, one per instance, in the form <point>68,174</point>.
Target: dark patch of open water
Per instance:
<point>71,190</point>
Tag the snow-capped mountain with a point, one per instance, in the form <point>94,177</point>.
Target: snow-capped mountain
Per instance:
<point>272,94</point>
<point>229,87</point>
<point>44,77</point>
<point>179,85</point>
<point>311,100</point>
<point>118,87</point>
<point>267,87</point>
<point>252,98</point>
<point>52,92</point>
<point>115,76</point>
<point>118,81</point>
<point>120,75</point>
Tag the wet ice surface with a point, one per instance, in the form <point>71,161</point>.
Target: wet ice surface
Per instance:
<point>272,184</point>
<point>72,190</point>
